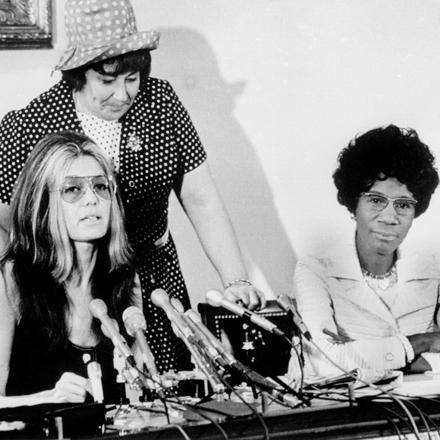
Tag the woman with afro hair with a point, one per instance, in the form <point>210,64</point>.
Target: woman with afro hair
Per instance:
<point>371,304</point>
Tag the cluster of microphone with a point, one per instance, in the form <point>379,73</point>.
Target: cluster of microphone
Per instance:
<point>208,353</point>
<point>135,325</point>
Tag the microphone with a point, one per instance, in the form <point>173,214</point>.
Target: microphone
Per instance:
<point>161,299</point>
<point>216,299</point>
<point>99,309</point>
<point>249,375</point>
<point>287,398</point>
<point>95,374</point>
<point>211,340</point>
<point>286,304</point>
<point>135,324</point>
<point>204,346</point>
<point>218,346</point>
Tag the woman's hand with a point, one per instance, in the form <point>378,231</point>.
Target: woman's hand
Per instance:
<point>419,365</point>
<point>425,342</point>
<point>72,388</point>
<point>248,295</point>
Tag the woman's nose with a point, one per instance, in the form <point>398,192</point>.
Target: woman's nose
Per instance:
<point>89,196</point>
<point>389,214</point>
<point>120,92</point>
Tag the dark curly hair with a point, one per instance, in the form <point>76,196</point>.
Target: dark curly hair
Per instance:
<point>136,61</point>
<point>382,153</point>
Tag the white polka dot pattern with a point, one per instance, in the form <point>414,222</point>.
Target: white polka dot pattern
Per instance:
<point>106,134</point>
<point>101,29</point>
<point>158,146</point>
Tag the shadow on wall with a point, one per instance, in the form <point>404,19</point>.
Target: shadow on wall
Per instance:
<point>187,61</point>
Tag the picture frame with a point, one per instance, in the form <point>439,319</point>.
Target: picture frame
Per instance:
<point>25,24</point>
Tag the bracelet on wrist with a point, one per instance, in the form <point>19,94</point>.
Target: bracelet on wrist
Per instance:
<point>238,281</point>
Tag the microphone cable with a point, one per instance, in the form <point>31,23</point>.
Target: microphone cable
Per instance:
<point>373,386</point>
<point>308,337</point>
<point>243,400</point>
<point>180,429</point>
<point>213,367</point>
<point>183,404</point>
<point>303,398</point>
<point>299,358</point>
<point>424,416</point>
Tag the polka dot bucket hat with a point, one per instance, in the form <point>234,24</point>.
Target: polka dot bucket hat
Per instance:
<point>101,29</point>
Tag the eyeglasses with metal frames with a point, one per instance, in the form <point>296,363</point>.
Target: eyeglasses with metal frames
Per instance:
<point>377,202</point>
<point>74,187</point>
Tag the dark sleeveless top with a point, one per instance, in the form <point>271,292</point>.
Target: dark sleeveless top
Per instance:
<point>36,365</point>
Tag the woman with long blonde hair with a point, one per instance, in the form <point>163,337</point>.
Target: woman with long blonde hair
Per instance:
<point>67,246</point>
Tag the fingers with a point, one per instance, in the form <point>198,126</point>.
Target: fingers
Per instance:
<point>261,299</point>
<point>425,342</point>
<point>341,339</point>
<point>248,296</point>
<point>72,388</point>
<point>434,343</point>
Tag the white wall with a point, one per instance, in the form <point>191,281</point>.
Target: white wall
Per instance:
<point>276,88</point>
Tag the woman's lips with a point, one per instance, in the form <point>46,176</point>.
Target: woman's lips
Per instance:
<point>385,236</point>
<point>91,218</point>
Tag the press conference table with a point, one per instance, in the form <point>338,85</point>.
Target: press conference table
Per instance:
<point>365,418</point>
<point>326,422</point>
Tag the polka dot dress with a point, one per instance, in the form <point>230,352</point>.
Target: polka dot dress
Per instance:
<point>158,145</point>
<point>106,134</point>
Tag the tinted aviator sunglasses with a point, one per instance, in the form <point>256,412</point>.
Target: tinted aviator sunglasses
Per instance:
<point>74,187</point>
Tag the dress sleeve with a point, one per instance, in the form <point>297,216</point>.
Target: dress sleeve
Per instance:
<point>13,153</point>
<point>373,357</point>
<point>190,148</point>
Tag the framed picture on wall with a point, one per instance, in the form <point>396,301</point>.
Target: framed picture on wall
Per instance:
<point>25,24</point>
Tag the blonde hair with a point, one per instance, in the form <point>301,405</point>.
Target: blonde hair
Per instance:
<point>38,227</point>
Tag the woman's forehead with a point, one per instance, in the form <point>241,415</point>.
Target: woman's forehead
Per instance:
<point>391,187</point>
<point>84,166</point>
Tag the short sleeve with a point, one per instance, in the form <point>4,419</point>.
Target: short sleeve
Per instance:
<point>190,148</point>
<point>13,153</point>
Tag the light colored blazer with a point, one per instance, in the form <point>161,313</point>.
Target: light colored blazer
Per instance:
<point>331,293</point>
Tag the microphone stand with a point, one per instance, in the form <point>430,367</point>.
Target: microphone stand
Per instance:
<point>216,385</point>
<point>196,351</point>
<point>119,365</point>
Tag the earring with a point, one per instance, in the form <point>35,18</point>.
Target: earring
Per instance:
<point>353,216</point>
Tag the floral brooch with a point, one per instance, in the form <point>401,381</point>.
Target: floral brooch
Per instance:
<point>134,142</point>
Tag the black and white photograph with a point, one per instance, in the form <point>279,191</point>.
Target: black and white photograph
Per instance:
<point>219,219</point>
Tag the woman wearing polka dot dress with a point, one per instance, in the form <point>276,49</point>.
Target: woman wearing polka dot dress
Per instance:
<point>106,93</point>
